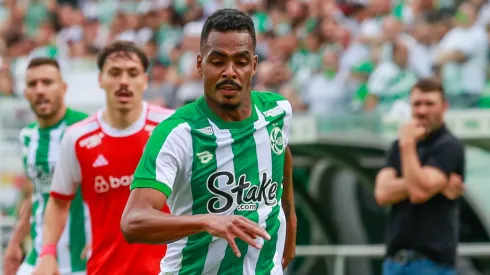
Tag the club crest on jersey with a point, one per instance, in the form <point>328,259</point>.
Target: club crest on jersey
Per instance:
<point>206,130</point>
<point>91,141</point>
<point>277,141</point>
<point>244,195</point>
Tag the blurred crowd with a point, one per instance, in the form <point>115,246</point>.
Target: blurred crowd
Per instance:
<point>327,57</point>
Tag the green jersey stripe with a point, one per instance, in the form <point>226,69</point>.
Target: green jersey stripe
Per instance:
<point>277,148</point>
<point>246,172</point>
<point>205,160</point>
<point>264,163</point>
<point>77,220</point>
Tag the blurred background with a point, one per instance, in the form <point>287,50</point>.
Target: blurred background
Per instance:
<point>346,66</point>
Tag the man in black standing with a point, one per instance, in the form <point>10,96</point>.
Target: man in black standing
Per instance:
<point>422,180</point>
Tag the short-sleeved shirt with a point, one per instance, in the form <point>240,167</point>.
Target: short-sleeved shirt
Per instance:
<point>430,228</point>
<point>101,160</point>
<point>206,165</point>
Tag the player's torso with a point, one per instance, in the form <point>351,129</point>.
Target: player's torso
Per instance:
<point>235,169</point>
<point>40,154</point>
<point>107,165</point>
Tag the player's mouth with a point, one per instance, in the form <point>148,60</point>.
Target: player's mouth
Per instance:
<point>228,90</point>
<point>42,103</point>
<point>124,96</point>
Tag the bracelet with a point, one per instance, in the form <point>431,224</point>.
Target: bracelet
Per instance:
<point>49,249</point>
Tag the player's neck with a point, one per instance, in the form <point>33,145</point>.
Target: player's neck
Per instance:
<point>242,112</point>
<point>55,119</point>
<point>122,120</point>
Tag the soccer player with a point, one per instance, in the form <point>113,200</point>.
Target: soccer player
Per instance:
<point>100,155</point>
<point>223,166</point>
<point>45,91</point>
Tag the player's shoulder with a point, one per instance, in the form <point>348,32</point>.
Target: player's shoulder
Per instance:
<point>271,103</point>
<point>74,116</point>
<point>28,130</point>
<point>157,113</point>
<point>81,128</point>
<point>264,96</point>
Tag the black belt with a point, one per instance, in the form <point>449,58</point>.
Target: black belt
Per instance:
<point>405,256</point>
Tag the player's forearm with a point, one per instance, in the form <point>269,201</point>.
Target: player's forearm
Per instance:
<point>22,228</point>
<point>417,180</point>
<point>287,199</point>
<point>55,218</point>
<point>390,190</point>
<point>155,227</point>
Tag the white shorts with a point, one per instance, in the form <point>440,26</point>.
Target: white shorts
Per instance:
<point>26,269</point>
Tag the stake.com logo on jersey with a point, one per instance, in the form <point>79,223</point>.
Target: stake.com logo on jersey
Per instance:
<point>102,185</point>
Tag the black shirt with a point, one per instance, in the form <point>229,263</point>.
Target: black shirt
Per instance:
<point>430,228</point>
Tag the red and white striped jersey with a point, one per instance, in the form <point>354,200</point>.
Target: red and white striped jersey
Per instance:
<point>102,159</point>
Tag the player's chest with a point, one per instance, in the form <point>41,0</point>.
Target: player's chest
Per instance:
<point>108,168</point>
<point>40,156</point>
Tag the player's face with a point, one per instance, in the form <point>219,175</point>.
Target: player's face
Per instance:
<point>124,80</point>
<point>428,109</point>
<point>45,90</point>
<point>227,65</point>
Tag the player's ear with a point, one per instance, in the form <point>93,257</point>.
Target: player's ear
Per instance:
<point>255,63</point>
<point>199,58</point>
<point>65,87</point>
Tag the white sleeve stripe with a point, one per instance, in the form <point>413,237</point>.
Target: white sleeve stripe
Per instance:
<point>173,155</point>
<point>67,173</point>
<point>286,106</point>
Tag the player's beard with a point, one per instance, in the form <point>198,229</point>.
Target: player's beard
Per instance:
<point>56,107</point>
<point>229,106</point>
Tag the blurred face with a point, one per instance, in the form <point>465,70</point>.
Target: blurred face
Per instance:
<point>466,15</point>
<point>428,109</point>
<point>124,80</point>
<point>400,54</point>
<point>330,61</point>
<point>227,64</point>
<point>45,90</point>
<point>5,83</point>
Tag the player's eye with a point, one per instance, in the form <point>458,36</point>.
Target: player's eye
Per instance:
<point>217,62</point>
<point>242,63</point>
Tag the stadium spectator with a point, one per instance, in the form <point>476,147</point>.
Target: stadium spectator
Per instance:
<point>422,181</point>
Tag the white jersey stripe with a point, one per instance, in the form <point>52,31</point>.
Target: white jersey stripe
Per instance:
<point>281,241</point>
<point>224,162</point>
<point>179,147</point>
<point>264,161</point>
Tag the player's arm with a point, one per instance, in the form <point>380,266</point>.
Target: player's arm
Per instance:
<point>389,188</point>
<point>287,202</point>
<point>424,182</point>
<point>165,156</point>
<point>13,252</point>
<point>22,227</point>
<point>66,179</point>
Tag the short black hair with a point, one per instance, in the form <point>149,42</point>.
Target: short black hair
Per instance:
<point>429,85</point>
<point>227,20</point>
<point>126,47</point>
<point>40,61</point>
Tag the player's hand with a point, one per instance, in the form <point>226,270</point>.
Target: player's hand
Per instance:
<point>12,259</point>
<point>231,227</point>
<point>411,132</point>
<point>85,250</point>
<point>46,266</point>
<point>455,187</point>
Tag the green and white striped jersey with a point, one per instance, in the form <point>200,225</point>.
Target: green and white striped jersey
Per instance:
<point>40,150</point>
<point>206,165</point>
